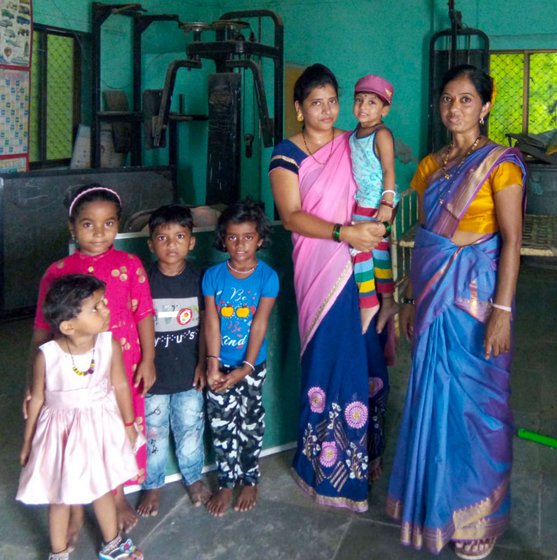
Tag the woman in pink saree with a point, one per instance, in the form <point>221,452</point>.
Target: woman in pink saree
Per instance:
<point>344,374</point>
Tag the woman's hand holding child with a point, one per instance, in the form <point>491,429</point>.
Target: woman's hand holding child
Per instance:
<point>363,236</point>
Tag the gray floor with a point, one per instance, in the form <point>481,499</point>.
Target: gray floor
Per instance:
<point>286,524</point>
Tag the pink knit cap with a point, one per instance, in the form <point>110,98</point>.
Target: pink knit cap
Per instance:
<point>377,85</point>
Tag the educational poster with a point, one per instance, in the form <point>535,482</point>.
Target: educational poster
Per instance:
<point>15,32</point>
<point>13,165</point>
<point>14,111</point>
<point>15,65</point>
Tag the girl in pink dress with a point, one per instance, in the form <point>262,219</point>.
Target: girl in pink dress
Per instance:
<point>80,427</point>
<point>94,213</point>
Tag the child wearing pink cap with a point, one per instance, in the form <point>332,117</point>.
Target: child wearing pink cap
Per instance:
<point>372,152</point>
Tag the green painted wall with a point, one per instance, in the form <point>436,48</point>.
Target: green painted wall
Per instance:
<point>353,38</point>
<point>510,24</point>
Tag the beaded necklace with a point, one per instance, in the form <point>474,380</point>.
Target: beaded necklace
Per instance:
<point>454,169</point>
<point>311,153</point>
<point>89,370</point>
<point>240,271</point>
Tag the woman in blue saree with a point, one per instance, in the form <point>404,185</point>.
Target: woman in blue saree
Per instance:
<point>450,480</point>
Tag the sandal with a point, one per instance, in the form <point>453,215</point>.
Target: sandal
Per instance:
<point>117,549</point>
<point>474,550</point>
<point>65,555</point>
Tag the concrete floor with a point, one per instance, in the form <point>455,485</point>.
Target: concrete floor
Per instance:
<point>286,524</point>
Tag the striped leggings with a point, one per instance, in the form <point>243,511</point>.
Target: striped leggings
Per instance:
<point>372,269</point>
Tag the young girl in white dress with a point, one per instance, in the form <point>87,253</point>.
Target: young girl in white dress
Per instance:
<point>80,430</point>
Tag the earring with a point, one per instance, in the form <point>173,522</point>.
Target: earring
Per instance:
<point>300,117</point>
<point>482,120</point>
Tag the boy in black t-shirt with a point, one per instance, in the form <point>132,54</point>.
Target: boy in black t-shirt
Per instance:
<point>176,399</point>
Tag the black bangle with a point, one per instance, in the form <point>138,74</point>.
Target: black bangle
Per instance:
<point>388,228</point>
<point>408,300</point>
<point>336,233</point>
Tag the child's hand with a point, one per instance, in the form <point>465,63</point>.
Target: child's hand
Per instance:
<point>131,432</point>
<point>215,380</point>
<point>24,454</point>
<point>199,378</point>
<point>234,377</point>
<point>25,404</point>
<point>384,213</point>
<point>145,372</point>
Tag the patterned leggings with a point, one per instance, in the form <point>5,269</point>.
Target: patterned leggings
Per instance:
<point>373,270</point>
<point>237,425</point>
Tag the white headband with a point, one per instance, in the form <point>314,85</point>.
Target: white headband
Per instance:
<point>92,189</point>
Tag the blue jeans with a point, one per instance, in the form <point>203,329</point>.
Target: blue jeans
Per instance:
<point>183,414</point>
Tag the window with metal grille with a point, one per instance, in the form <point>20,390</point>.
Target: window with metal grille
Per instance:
<point>58,78</point>
<point>526,93</point>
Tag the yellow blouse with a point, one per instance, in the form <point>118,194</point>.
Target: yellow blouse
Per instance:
<point>480,216</point>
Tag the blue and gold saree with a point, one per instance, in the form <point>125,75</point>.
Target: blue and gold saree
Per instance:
<point>450,479</point>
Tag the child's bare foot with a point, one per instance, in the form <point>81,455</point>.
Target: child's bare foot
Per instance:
<point>77,516</point>
<point>389,308</point>
<point>219,502</point>
<point>366,315</point>
<point>149,503</point>
<point>247,499</point>
<point>198,493</point>
<point>127,518</point>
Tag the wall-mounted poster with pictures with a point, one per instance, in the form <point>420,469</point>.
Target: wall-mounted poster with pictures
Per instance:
<point>15,64</point>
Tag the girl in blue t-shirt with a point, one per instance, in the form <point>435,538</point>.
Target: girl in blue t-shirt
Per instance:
<point>239,296</point>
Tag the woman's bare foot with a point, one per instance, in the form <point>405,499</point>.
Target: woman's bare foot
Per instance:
<point>198,493</point>
<point>149,503</point>
<point>127,518</point>
<point>219,502</point>
<point>77,516</point>
<point>389,308</point>
<point>366,315</point>
<point>247,499</point>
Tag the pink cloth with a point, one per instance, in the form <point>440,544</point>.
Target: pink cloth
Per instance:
<point>321,267</point>
<point>129,301</point>
<point>80,449</point>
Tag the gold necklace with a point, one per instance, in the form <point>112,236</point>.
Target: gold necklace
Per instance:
<point>311,153</point>
<point>445,158</point>
<point>77,371</point>
<point>240,271</point>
